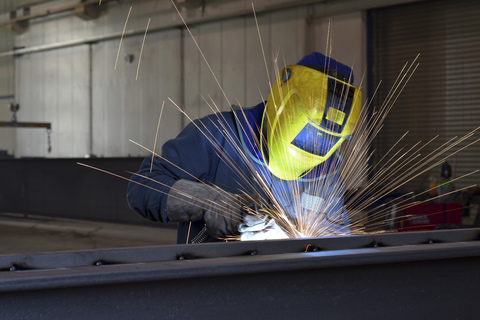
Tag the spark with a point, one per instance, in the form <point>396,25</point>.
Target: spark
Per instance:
<point>117,175</point>
<point>121,38</point>
<point>201,53</point>
<point>141,50</point>
<point>261,45</point>
<point>188,233</point>
<point>156,136</point>
<point>205,203</point>
<point>307,224</point>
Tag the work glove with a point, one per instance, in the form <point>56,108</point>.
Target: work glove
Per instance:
<point>191,201</point>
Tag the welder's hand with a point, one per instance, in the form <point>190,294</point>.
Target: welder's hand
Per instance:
<point>192,201</point>
<point>223,215</point>
<point>228,212</point>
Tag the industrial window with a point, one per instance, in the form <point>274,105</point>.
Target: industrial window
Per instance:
<point>442,98</point>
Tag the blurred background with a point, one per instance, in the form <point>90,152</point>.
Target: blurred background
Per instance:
<point>79,79</point>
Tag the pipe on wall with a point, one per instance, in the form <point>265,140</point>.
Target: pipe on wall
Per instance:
<point>47,12</point>
<point>333,8</point>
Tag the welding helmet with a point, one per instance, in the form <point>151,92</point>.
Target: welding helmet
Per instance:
<point>310,111</point>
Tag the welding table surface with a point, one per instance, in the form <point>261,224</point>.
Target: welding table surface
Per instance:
<point>29,234</point>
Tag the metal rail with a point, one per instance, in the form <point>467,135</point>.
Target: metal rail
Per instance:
<point>15,124</point>
<point>418,275</point>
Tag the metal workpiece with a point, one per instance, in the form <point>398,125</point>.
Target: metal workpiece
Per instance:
<point>405,241</point>
<point>388,276</point>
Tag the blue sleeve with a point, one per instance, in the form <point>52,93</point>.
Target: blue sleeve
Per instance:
<point>190,155</point>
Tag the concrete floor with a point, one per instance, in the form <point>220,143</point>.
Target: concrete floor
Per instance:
<point>33,234</point>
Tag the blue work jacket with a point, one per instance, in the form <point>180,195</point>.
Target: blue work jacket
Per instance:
<point>221,149</point>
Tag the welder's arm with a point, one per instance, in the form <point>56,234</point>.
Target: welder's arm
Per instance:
<point>192,201</point>
<point>188,156</point>
<point>167,182</point>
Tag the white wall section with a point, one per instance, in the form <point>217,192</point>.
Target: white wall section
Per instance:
<point>65,67</point>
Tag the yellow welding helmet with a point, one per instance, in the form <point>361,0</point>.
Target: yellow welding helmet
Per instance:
<point>309,113</point>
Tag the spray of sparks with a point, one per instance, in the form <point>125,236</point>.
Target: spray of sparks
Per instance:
<point>372,183</point>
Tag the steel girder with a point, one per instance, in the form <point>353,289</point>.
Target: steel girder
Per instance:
<point>383,276</point>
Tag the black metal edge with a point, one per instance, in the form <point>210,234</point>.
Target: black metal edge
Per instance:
<point>182,269</point>
<point>15,124</point>
<point>216,250</point>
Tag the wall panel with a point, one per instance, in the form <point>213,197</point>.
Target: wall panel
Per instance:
<point>50,98</point>
<point>259,70</point>
<point>210,41</point>
<point>31,96</point>
<point>343,37</point>
<point>234,51</point>
<point>7,91</point>
<point>160,80</point>
<point>233,68</point>
<point>288,36</point>
<point>127,107</point>
<point>57,81</point>
<point>192,61</point>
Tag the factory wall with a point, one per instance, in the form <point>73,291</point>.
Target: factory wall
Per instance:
<point>94,107</point>
<point>96,103</point>
<point>7,88</point>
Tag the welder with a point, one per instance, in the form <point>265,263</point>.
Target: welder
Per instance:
<point>284,150</point>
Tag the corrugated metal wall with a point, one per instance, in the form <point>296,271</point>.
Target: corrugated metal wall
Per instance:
<point>442,96</point>
<point>233,51</point>
<point>54,85</point>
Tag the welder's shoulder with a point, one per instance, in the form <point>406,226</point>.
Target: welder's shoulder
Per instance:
<point>255,112</point>
<point>214,122</point>
<point>225,119</point>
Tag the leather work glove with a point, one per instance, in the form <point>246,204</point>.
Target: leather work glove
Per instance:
<point>192,201</point>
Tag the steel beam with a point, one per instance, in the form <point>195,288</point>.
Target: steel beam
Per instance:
<point>15,124</point>
<point>385,276</point>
